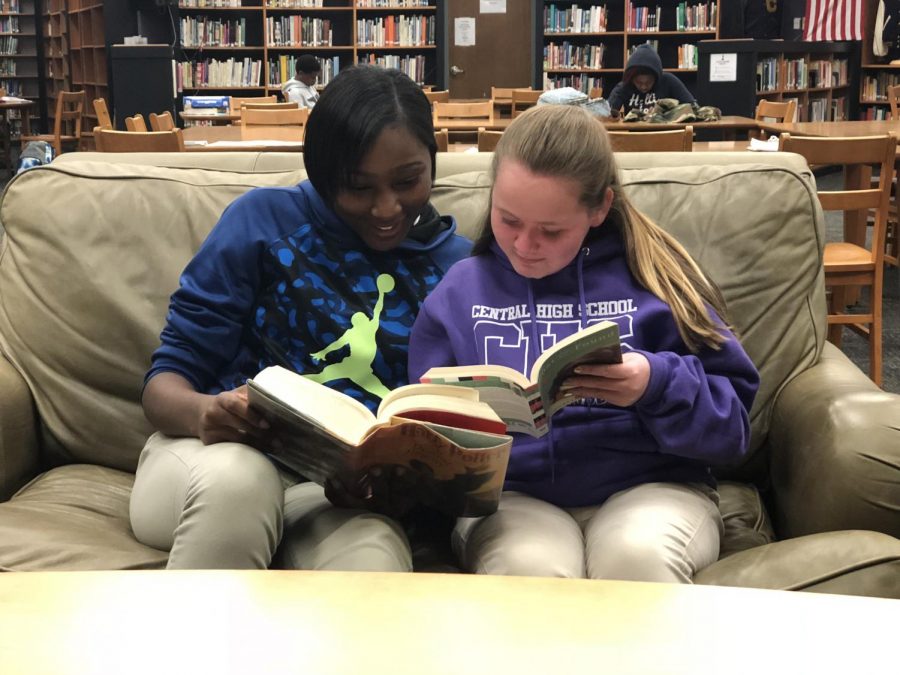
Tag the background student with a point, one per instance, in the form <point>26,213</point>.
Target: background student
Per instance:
<point>621,487</point>
<point>278,279</point>
<point>302,87</point>
<point>644,83</point>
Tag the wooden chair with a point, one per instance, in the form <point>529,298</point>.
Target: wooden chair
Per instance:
<point>104,121</point>
<point>849,264</point>
<point>523,99</point>
<point>482,111</point>
<point>66,123</point>
<point>443,95</point>
<point>501,98</point>
<point>775,112</point>
<point>284,124</point>
<point>677,140</point>
<point>487,140</point>
<point>892,235</point>
<point>442,138</point>
<point>135,123</point>
<point>109,140</point>
<point>235,102</point>
<point>162,122</point>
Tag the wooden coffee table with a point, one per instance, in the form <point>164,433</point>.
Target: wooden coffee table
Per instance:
<point>333,622</point>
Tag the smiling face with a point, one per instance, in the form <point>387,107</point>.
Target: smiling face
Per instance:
<point>388,189</point>
<point>539,221</point>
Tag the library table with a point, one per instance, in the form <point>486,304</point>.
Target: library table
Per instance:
<point>219,138</point>
<point>847,128</point>
<point>357,622</point>
<point>8,103</point>
<point>215,118</point>
<point>729,125</point>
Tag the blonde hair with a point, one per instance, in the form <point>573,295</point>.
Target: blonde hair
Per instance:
<point>568,142</point>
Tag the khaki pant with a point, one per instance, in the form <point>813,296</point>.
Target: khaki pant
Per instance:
<point>225,506</point>
<point>651,532</point>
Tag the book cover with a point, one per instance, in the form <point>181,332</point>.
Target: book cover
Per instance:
<point>395,460</point>
<point>525,403</point>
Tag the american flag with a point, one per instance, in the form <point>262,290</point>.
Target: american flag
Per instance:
<point>833,20</point>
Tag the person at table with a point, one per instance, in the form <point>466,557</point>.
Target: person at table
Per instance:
<point>283,273</point>
<point>302,87</point>
<point>620,487</point>
<point>644,83</point>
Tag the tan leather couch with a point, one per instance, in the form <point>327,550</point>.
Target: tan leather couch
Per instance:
<point>94,245</point>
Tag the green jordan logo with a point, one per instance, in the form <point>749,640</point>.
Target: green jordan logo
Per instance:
<point>357,367</point>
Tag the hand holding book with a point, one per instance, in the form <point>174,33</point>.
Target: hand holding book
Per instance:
<point>621,384</point>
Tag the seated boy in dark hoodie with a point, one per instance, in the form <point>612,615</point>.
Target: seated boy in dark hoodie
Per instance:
<point>644,83</point>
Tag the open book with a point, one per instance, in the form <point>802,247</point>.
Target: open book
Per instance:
<point>450,447</point>
<point>525,403</point>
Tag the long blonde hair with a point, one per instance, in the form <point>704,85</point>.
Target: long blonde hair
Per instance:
<point>568,142</point>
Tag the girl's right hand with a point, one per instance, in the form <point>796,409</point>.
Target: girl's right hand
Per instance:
<point>227,416</point>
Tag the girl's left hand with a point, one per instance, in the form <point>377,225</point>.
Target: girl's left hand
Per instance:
<point>621,384</point>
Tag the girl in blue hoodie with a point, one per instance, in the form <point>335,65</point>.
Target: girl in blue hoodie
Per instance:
<point>281,278</point>
<point>620,488</point>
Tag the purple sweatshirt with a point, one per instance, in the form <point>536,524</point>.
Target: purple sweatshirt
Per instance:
<point>694,413</point>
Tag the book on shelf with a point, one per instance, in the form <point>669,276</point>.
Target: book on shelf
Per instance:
<point>445,448</point>
<point>526,403</point>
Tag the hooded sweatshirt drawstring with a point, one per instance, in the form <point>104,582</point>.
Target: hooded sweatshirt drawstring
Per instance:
<point>551,443</point>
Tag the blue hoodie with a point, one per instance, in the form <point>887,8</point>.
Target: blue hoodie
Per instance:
<point>694,413</point>
<point>280,277</point>
<point>666,85</point>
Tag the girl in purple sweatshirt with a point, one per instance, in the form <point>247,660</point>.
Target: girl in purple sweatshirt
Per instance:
<point>621,487</point>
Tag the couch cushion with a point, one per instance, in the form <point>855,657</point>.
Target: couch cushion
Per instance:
<point>746,521</point>
<point>91,255</point>
<point>853,562</point>
<point>73,518</point>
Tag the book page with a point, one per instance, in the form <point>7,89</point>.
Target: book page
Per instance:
<point>598,343</point>
<point>342,415</point>
<point>463,374</point>
<point>445,390</point>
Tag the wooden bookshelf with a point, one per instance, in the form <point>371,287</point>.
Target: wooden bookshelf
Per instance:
<point>19,74</point>
<point>267,36</point>
<point>876,73</point>
<point>819,76</point>
<point>586,44</point>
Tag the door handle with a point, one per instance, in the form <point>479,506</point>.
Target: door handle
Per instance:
<point>456,70</point>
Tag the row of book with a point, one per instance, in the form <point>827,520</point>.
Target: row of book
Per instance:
<point>575,19</point>
<point>800,74</point>
<point>8,67</point>
<point>299,30</point>
<point>9,24</point>
<point>688,17</point>
<point>294,4</point>
<point>10,6</point>
<point>576,57</point>
<point>688,56</point>
<point>393,3</point>
<point>581,82</point>
<point>283,68</point>
<point>413,67</point>
<point>210,3</point>
<point>874,87</point>
<point>823,110</point>
<point>9,44</point>
<point>12,87</point>
<point>696,17</point>
<point>875,113</point>
<point>206,32</point>
<point>392,31</point>
<point>231,72</point>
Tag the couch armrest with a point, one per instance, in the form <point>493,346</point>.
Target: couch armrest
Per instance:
<point>18,431</point>
<point>835,452</point>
